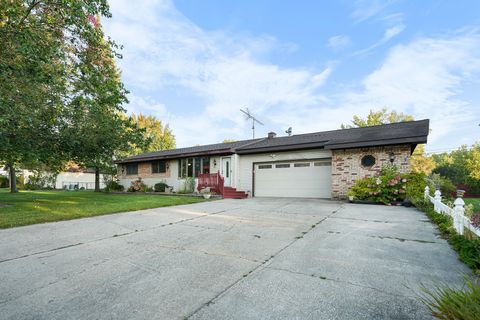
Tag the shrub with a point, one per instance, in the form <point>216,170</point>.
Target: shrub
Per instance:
<point>137,186</point>
<point>160,187</point>
<point>416,183</point>
<point>451,303</point>
<point>41,180</point>
<point>475,219</point>
<point>4,182</point>
<point>445,185</point>
<point>113,185</point>
<point>387,187</point>
<point>188,185</point>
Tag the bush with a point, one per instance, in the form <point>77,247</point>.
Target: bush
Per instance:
<point>188,185</point>
<point>41,180</point>
<point>416,183</point>
<point>451,303</point>
<point>445,185</point>
<point>113,185</point>
<point>137,186</point>
<point>475,219</point>
<point>160,187</point>
<point>387,187</point>
<point>4,182</point>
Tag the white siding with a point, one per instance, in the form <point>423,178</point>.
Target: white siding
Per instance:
<point>245,166</point>
<point>86,180</point>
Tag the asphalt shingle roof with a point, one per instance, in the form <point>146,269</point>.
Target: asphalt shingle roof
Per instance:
<point>412,132</point>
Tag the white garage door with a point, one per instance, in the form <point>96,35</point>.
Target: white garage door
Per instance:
<point>302,178</point>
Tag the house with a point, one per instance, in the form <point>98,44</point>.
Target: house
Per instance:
<point>314,165</point>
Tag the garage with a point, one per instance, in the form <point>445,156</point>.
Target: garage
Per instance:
<point>299,178</point>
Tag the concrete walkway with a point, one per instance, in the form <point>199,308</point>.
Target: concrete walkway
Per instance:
<point>228,259</point>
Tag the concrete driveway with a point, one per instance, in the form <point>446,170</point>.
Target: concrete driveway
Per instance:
<point>228,259</point>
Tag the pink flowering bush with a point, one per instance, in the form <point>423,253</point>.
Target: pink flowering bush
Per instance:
<point>475,219</point>
<point>387,187</point>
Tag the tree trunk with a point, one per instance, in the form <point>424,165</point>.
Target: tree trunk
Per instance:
<point>97,180</point>
<point>13,178</point>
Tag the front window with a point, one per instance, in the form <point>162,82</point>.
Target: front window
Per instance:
<point>192,167</point>
<point>159,166</point>
<point>132,169</point>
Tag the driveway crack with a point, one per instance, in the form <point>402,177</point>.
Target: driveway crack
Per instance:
<point>339,281</point>
<point>111,236</point>
<point>227,288</point>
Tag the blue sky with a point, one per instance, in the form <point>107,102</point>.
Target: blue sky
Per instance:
<point>309,65</point>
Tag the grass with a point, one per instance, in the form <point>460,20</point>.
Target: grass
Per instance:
<point>475,202</point>
<point>452,303</point>
<point>30,207</point>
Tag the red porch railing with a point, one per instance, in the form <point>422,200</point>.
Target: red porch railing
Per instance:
<point>214,181</point>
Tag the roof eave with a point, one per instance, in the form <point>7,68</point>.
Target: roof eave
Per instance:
<point>176,156</point>
<point>376,143</point>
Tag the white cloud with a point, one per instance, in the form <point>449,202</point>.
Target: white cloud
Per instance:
<point>366,9</point>
<point>339,42</point>
<point>166,52</point>
<point>387,36</point>
<point>163,49</point>
<point>425,78</point>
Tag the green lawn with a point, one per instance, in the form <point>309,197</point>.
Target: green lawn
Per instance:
<point>476,203</point>
<point>30,207</point>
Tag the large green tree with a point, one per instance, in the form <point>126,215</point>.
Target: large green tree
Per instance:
<point>473,163</point>
<point>420,162</point>
<point>60,92</point>
<point>160,135</point>
<point>375,118</point>
<point>462,166</point>
<point>41,41</point>
<point>99,131</point>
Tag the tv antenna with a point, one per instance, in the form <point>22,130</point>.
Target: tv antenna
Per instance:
<point>289,131</point>
<point>249,116</point>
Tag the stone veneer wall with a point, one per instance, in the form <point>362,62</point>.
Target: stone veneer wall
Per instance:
<point>347,166</point>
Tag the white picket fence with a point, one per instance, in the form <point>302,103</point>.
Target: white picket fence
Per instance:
<point>460,221</point>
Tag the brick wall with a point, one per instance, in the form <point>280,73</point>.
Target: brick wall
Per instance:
<point>347,166</point>
<point>145,171</point>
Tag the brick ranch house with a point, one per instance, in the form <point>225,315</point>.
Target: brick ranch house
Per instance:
<point>314,165</point>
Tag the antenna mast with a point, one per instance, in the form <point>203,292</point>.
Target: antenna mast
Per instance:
<point>249,116</point>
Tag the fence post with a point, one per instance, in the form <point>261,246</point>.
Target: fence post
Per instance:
<point>458,215</point>
<point>438,200</point>
<point>427,192</point>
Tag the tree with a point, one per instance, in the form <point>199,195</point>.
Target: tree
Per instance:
<point>99,130</point>
<point>42,42</point>
<point>473,163</point>
<point>160,135</point>
<point>419,161</point>
<point>375,118</point>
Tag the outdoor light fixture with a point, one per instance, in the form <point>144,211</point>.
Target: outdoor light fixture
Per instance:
<point>391,156</point>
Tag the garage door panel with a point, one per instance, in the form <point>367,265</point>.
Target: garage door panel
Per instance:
<point>277,180</point>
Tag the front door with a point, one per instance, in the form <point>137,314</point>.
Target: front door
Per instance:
<point>227,170</point>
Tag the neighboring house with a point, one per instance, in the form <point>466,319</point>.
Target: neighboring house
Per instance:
<point>83,179</point>
<point>314,165</point>
<point>72,178</point>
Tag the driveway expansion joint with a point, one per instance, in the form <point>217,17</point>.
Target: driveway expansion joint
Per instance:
<point>339,281</point>
<point>263,263</point>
